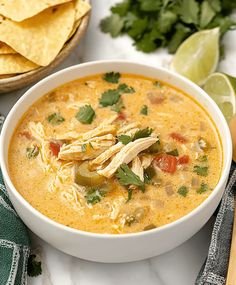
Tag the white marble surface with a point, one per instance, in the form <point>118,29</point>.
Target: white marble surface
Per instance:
<point>177,267</point>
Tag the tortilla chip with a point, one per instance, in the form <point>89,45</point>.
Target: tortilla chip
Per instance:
<point>19,10</point>
<point>40,38</point>
<point>15,63</point>
<point>4,76</point>
<point>5,49</point>
<point>81,9</point>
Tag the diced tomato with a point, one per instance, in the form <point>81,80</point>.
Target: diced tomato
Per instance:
<point>166,162</point>
<point>178,137</point>
<point>25,134</point>
<point>121,117</point>
<point>183,159</point>
<point>55,148</point>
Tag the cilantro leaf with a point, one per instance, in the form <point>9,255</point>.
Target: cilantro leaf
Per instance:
<point>127,177</point>
<point>124,88</point>
<point>84,147</point>
<point>143,133</point>
<point>118,106</point>
<point>112,77</point>
<point>166,21</point>
<point>144,110</point>
<point>55,119</point>
<point>157,84</point>
<point>125,139</point>
<point>85,115</point>
<point>207,14</point>
<point>183,191</point>
<point>112,24</point>
<point>32,152</point>
<point>180,34</point>
<point>138,27</point>
<point>203,158</point>
<point>173,152</point>
<point>201,170</point>
<point>150,5</point>
<point>130,193</point>
<point>121,8</point>
<point>94,195</point>
<point>149,42</point>
<point>189,11</point>
<point>149,173</point>
<point>109,97</point>
<point>34,266</point>
<point>203,188</point>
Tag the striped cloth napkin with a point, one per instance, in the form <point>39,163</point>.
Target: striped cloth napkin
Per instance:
<point>214,271</point>
<point>14,241</point>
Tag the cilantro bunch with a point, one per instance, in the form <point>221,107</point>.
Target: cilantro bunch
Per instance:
<point>166,23</point>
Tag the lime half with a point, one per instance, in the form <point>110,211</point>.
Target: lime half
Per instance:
<point>198,56</point>
<point>222,89</point>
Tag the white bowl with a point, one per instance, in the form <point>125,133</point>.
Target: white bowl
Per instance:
<point>107,247</point>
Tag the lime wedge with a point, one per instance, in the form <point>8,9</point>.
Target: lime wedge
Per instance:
<point>198,56</point>
<point>222,89</point>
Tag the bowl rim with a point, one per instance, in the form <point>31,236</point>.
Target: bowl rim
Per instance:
<point>45,219</point>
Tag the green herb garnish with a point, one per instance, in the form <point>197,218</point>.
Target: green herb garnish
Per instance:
<point>109,97</point>
<point>127,177</point>
<point>166,23</point>
<point>85,115</point>
<point>84,147</point>
<point>144,110</point>
<point>118,106</point>
<point>203,188</point>
<point>201,170</point>
<point>157,84</point>
<point>55,119</point>
<point>124,88</point>
<point>155,148</point>
<point>203,158</point>
<point>183,191</point>
<point>32,152</point>
<point>125,139</point>
<point>143,133</point>
<point>149,173</point>
<point>173,152</point>
<point>33,267</point>
<point>112,77</point>
<point>130,193</point>
<point>94,195</point>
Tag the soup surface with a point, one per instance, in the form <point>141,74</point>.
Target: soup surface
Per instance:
<point>115,153</point>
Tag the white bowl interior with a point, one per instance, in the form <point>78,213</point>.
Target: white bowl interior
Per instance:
<point>92,68</point>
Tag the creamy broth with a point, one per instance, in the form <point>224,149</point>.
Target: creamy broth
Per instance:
<point>177,164</point>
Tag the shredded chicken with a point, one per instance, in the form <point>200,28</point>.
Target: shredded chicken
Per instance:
<point>129,127</point>
<point>86,149</point>
<point>146,160</point>
<point>127,154</point>
<point>37,131</point>
<point>103,157</point>
<point>137,168</point>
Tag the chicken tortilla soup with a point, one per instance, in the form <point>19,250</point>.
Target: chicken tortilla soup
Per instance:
<point>115,153</point>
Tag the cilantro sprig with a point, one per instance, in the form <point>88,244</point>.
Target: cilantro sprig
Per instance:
<point>127,177</point>
<point>85,115</point>
<point>55,119</point>
<point>201,170</point>
<point>112,77</point>
<point>142,133</point>
<point>166,23</point>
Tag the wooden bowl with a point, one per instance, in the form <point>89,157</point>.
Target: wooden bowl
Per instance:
<point>19,81</point>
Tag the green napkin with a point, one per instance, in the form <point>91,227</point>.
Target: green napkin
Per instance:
<point>14,241</point>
